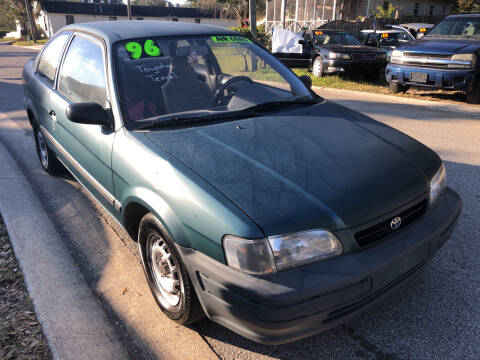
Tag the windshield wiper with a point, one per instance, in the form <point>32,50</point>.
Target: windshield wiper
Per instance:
<point>179,120</point>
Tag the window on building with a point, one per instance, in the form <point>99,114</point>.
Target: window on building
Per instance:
<point>82,77</point>
<point>48,62</point>
<point>139,18</point>
<point>69,19</point>
<point>385,5</point>
<point>174,18</point>
<point>415,8</point>
<point>112,18</point>
<point>430,11</point>
<point>197,20</point>
<point>444,9</point>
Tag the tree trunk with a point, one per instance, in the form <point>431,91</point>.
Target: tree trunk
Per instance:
<point>33,28</point>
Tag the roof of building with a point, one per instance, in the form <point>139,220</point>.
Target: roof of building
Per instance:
<point>113,31</point>
<point>64,7</point>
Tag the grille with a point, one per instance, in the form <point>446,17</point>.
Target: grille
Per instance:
<point>426,55</point>
<point>363,56</point>
<point>381,230</point>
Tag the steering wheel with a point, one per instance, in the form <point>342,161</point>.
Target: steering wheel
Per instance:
<point>221,88</point>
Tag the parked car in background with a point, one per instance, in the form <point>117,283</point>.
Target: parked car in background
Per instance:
<point>329,51</point>
<point>387,40</point>
<point>418,30</point>
<point>446,58</point>
<point>254,201</point>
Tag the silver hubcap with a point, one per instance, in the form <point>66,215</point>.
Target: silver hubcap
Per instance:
<point>317,67</point>
<point>43,150</point>
<point>166,274</point>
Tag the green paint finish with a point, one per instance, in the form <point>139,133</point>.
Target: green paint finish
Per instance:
<point>227,38</point>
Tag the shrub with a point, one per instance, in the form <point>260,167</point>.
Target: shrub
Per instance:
<point>262,37</point>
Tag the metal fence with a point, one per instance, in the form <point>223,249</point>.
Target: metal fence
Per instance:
<point>370,22</point>
<point>346,15</point>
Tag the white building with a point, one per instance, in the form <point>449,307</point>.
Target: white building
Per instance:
<point>53,15</point>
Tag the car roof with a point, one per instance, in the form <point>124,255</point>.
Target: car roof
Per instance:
<point>113,31</point>
<point>417,25</point>
<point>477,15</point>
<point>389,31</point>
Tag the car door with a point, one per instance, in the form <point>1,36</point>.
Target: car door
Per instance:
<point>85,149</point>
<point>298,59</point>
<point>41,91</point>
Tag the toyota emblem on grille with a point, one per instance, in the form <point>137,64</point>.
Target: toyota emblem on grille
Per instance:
<point>396,222</point>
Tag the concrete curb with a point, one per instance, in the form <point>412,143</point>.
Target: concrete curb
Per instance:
<point>434,105</point>
<point>75,325</point>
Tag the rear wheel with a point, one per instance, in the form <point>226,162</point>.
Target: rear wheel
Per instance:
<point>397,88</point>
<point>47,158</point>
<point>317,67</point>
<point>166,273</point>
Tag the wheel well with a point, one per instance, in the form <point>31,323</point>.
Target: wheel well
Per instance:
<point>134,212</point>
<point>31,117</point>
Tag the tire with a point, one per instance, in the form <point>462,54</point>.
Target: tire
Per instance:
<point>167,276</point>
<point>317,67</point>
<point>372,77</point>
<point>47,158</point>
<point>397,88</point>
<point>473,97</point>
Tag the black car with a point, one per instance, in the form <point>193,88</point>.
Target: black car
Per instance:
<point>328,51</point>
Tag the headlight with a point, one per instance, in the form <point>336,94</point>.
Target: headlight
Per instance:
<point>466,61</point>
<point>334,55</point>
<point>247,255</point>
<point>256,257</point>
<point>303,248</point>
<point>396,57</point>
<point>437,184</point>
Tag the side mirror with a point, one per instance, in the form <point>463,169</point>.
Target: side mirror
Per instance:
<point>89,113</point>
<point>307,81</point>
<point>302,42</point>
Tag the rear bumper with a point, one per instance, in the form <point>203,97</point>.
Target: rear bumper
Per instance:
<point>450,79</point>
<point>296,303</point>
<point>352,66</point>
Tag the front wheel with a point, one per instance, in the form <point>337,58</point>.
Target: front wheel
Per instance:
<point>397,88</point>
<point>473,97</point>
<point>47,158</point>
<point>166,274</point>
<point>317,67</point>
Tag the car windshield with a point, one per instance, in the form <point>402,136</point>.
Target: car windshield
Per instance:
<point>393,38</point>
<point>177,78</point>
<point>332,38</point>
<point>459,27</point>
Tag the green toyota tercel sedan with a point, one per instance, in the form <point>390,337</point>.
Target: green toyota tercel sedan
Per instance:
<point>255,202</point>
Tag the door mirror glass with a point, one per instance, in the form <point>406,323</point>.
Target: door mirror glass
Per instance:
<point>89,113</point>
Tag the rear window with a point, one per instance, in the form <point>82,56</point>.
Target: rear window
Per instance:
<point>49,59</point>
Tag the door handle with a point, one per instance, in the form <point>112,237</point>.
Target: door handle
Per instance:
<point>52,115</point>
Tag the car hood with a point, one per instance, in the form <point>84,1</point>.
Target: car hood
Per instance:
<point>348,48</point>
<point>441,45</point>
<point>307,168</point>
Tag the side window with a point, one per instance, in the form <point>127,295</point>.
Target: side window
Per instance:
<point>82,76</point>
<point>50,57</point>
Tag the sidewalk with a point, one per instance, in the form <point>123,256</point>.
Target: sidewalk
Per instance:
<point>75,325</point>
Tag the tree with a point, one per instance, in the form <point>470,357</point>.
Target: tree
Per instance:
<point>465,6</point>
<point>382,12</point>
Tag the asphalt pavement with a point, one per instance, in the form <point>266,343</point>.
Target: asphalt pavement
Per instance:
<point>434,316</point>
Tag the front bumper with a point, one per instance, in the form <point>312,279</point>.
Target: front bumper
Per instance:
<point>450,79</point>
<point>353,66</point>
<point>297,303</point>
